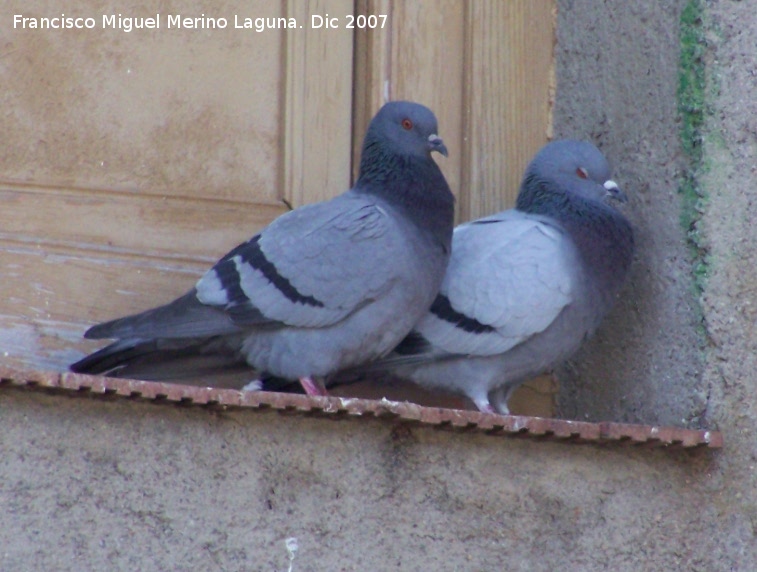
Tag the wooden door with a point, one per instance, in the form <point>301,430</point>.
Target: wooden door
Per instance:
<point>132,160</point>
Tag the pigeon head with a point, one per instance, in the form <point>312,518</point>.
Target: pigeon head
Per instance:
<point>574,166</point>
<point>401,129</point>
<point>409,128</point>
<point>568,181</point>
<point>396,165</point>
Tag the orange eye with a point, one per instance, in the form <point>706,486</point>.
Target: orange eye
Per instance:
<point>583,173</point>
<point>407,124</point>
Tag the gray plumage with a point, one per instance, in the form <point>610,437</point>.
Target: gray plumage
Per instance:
<point>524,287</point>
<point>325,286</point>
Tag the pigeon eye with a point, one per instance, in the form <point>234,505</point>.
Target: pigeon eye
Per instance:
<point>583,173</point>
<point>407,124</point>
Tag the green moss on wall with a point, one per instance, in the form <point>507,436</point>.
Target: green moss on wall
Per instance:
<point>692,84</point>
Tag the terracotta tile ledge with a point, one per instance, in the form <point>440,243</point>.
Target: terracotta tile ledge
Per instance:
<point>509,425</point>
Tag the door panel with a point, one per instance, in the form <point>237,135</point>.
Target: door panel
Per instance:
<point>133,160</point>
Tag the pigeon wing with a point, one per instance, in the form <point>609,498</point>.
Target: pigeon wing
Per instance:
<point>509,278</point>
<point>311,267</point>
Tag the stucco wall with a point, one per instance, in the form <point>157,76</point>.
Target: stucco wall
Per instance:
<point>617,76</point>
<point>124,485</point>
<point>93,485</point>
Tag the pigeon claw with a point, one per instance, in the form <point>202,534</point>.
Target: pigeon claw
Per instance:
<point>312,387</point>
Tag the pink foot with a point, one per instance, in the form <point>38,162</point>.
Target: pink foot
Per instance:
<point>312,387</point>
<point>483,405</point>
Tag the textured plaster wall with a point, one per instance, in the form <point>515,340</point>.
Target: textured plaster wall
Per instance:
<point>617,76</point>
<point>92,485</point>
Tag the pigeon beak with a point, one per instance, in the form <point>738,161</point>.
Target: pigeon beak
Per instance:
<point>435,143</point>
<point>614,192</point>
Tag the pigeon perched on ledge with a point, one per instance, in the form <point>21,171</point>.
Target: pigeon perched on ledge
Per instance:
<point>323,287</point>
<point>525,287</point>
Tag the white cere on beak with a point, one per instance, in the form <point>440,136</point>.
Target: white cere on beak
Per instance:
<point>610,185</point>
<point>436,144</point>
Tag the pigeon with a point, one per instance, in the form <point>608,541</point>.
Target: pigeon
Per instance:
<point>524,287</point>
<point>324,287</point>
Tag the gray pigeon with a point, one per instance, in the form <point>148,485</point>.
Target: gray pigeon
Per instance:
<point>323,287</point>
<point>525,287</point>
